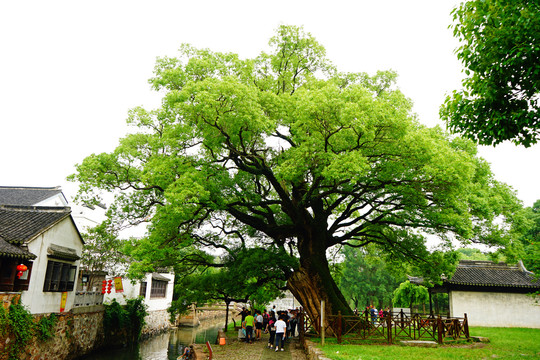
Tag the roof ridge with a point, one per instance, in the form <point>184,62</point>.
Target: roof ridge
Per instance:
<point>57,187</point>
<point>36,208</point>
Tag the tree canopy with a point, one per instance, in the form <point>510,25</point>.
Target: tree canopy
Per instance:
<point>500,48</point>
<point>285,153</point>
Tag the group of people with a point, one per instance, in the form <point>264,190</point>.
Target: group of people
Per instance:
<point>280,325</point>
<point>374,313</point>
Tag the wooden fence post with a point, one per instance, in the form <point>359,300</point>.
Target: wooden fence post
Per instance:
<point>466,326</point>
<point>301,328</point>
<point>389,326</point>
<point>339,328</point>
<point>439,330</point>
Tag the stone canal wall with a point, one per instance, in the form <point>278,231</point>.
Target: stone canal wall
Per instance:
<point>156,322</point>
<point>77,333</point>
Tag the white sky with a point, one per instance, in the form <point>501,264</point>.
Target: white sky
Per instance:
<point>70,70</point>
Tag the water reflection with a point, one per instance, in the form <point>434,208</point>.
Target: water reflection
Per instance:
<point>166,346</point>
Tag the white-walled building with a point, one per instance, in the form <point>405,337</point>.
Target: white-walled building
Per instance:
<point>494,294</point>
<point>50,235</point>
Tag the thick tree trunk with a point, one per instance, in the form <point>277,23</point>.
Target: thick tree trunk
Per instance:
<point>313,283</point>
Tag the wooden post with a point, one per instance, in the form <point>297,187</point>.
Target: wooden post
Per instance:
<point>466,326</point>
<point>439,330</point>
<point>339,328</point>
<point>322,323</point>
<point>301,327</point>
<point>389,326</point>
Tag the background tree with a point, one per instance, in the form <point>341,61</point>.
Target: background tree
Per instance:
<point>103,252</point>
<point>282,151</point>
<point>531,240</point>
<point>407,294</point>
<point>499,48</point>
<point>365,278</point>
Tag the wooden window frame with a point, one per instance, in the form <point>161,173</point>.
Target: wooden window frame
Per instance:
<point>59,277</point>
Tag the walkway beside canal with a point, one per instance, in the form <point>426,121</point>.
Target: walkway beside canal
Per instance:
<point>238,350</point>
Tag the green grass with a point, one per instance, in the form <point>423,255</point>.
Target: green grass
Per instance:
<point>505,343</point>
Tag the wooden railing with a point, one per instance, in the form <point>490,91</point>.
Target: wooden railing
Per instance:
<point>389,328</point>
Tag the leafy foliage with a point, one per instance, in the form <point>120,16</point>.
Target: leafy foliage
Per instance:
<point>103,250</point>
<point>247,274</point>
<point>407,294</point>
<point>365,278</point>
<point>283,152</point>
<point>22,326</point>
<point>499,49</point>
<point>125,320</point>
<point>45,327</point>
<point>531,240</point>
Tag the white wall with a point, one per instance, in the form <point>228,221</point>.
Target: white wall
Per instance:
<point>131,290</point>
<point>285,303</point>
<point>496,309</point>
<point>62,234</point>
<point>56,200</point>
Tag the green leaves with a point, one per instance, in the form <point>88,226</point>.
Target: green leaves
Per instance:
<point>499,49</point>
<point>407,294</point>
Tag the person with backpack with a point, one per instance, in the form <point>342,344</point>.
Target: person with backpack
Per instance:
<point>271,328</point>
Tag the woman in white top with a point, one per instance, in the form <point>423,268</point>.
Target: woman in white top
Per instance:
<point>281,328</point>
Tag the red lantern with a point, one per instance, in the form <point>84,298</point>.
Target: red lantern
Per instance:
<point>21,269</point>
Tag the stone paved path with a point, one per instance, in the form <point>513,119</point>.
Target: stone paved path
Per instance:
<point>237,350</point>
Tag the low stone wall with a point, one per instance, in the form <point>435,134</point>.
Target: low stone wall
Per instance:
<point>78,333</point>
<point>312,352</point>
<point>8,298</point>
<point>75,335</point>
<point>156,322</point>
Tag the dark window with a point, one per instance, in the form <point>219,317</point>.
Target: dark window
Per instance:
<point>9,281</point>
<point>159,289</point>
<point>142,291</point>
<point>59,276</point>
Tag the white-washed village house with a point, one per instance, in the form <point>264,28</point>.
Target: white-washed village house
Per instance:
<point>494,294</point>
<point>39,230</point>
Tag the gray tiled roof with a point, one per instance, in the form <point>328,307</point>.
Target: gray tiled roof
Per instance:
<point>19,224</point>
<point>17,195</point>
<point>14,251</point>
<point>487,273</point>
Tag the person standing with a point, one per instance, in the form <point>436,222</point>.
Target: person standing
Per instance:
<point>293,321</point>
<point>271,328</point>
<point>281,328</point>
<point>258,325</point>
<point>250,321</point>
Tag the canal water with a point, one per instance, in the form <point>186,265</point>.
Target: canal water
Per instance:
<point>166,346</point>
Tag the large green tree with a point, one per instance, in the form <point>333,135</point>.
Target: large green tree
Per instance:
<point>282,151</point>
<point>500,49</point>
